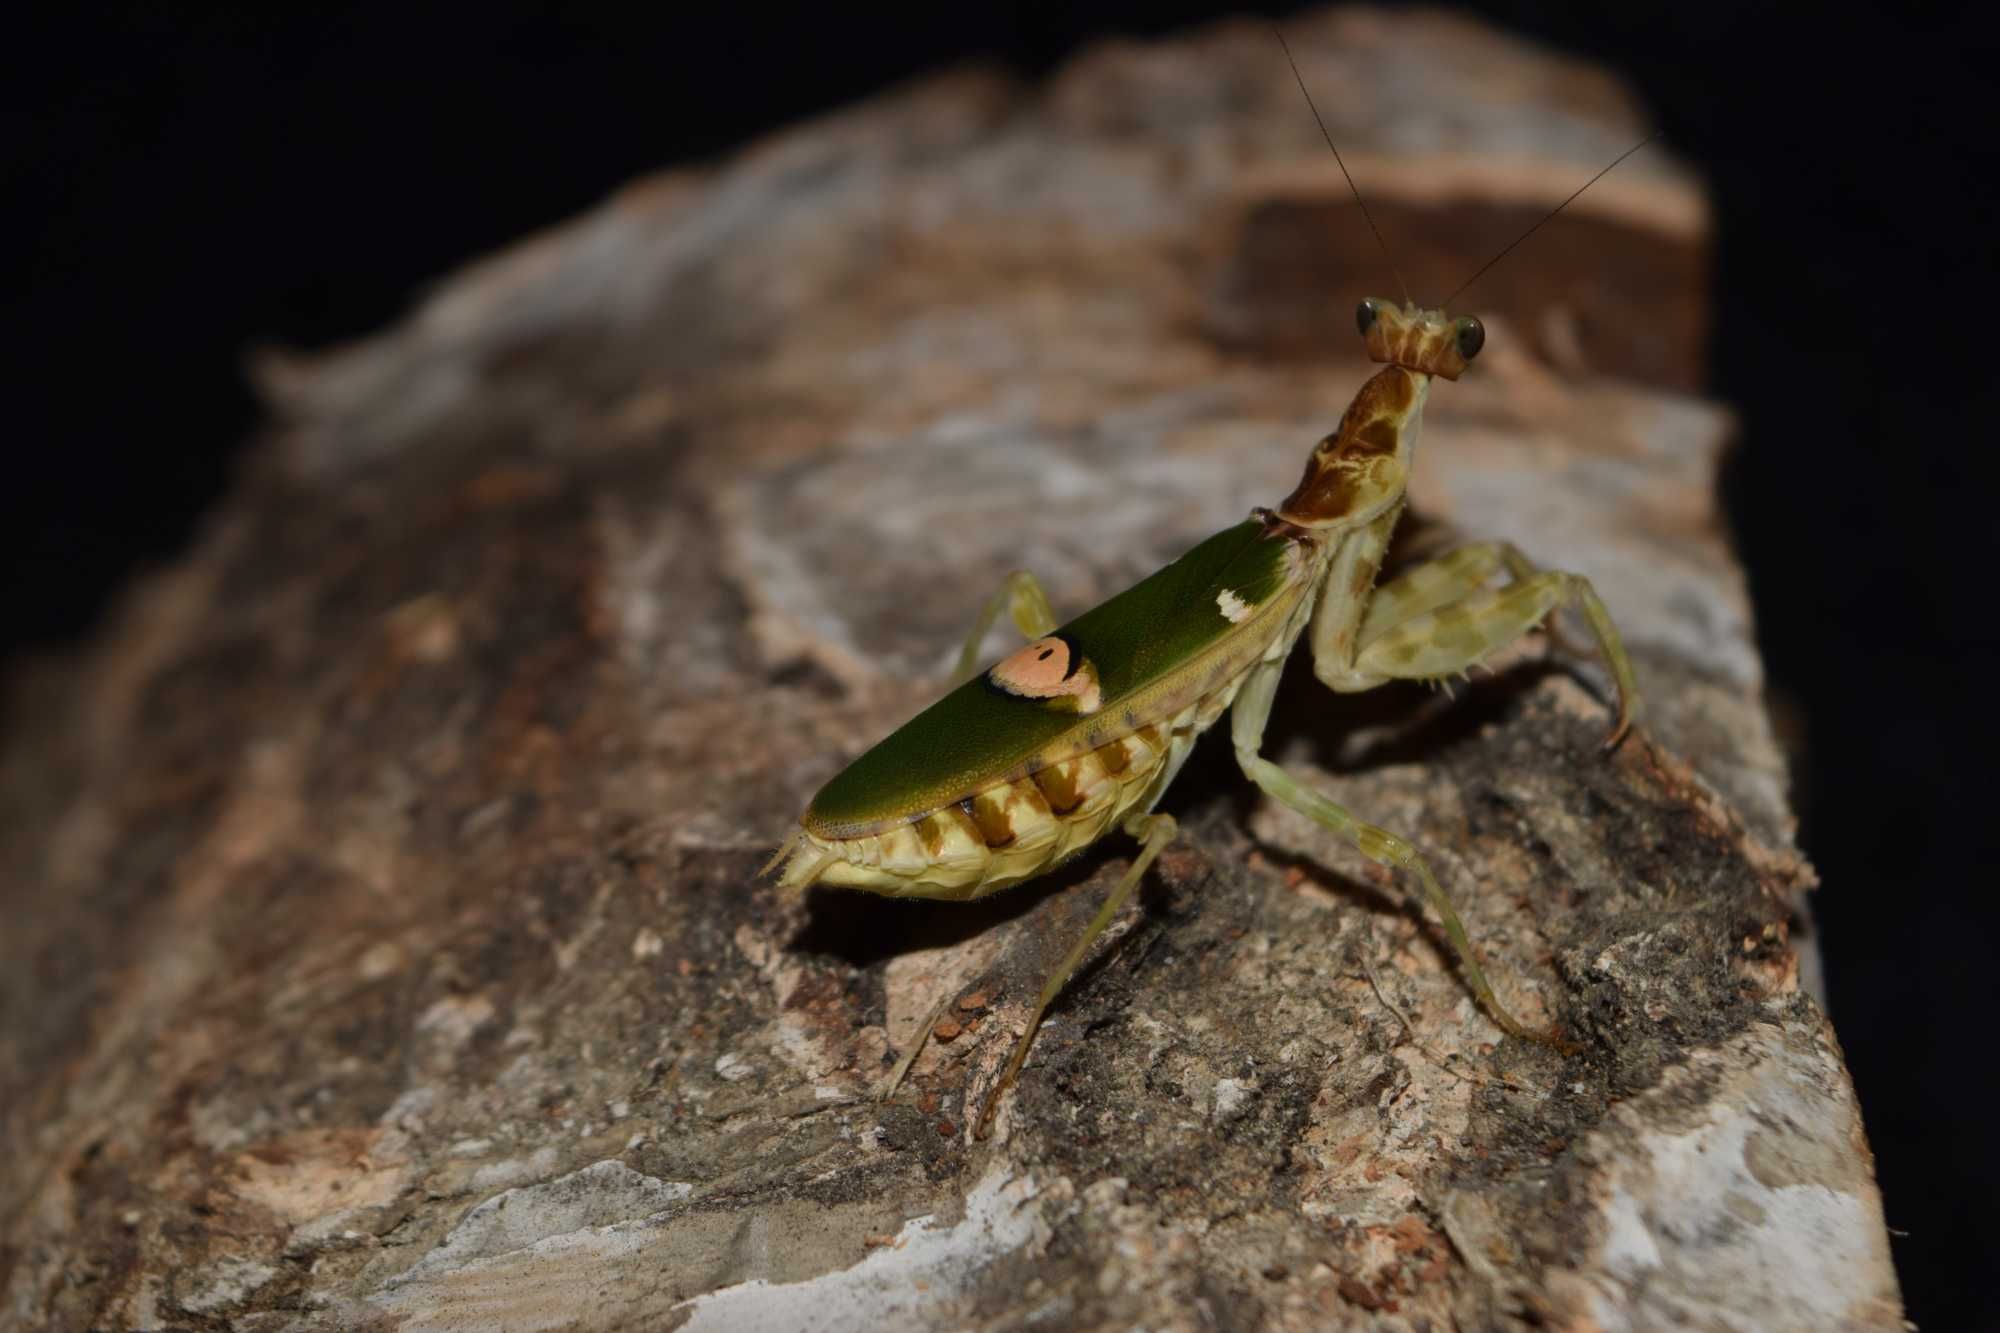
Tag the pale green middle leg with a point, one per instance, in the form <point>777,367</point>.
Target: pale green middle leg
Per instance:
<point>1438,620</point>
<point>1154,832</point>
<point>1247,718</point>
<point>1021,593</point>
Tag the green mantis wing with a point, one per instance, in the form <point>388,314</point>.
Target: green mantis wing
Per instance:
<point>1140,644</point>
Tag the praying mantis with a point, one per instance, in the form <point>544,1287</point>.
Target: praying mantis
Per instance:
<point>1081,731</point>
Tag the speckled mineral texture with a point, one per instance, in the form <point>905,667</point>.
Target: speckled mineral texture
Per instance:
<point>385,941</point>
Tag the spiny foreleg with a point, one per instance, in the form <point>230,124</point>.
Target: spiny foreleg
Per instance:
<point>1440,619</point>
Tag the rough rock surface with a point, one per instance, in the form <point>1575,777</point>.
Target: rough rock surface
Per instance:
<point>386,946</point>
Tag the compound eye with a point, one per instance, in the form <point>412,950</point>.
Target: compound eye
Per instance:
<point>1366,314</point>
<point>1471,336</point>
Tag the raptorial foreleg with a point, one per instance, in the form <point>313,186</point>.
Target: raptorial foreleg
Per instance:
<point>1440,619</point>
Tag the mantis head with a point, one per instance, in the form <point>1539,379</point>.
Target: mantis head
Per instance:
<point>1427,341</point>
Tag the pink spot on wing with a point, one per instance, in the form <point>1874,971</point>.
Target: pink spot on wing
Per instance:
<point>1037,671</point>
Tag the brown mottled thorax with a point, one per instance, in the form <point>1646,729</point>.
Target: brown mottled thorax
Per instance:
<point>1361,466</point>
<point>1357,473</point>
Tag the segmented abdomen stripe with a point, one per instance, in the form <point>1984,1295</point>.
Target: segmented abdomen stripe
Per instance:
<point>1013,830</point>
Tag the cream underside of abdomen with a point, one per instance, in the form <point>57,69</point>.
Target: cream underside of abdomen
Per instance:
<point>1015,830</point>
<point>1019,828</point>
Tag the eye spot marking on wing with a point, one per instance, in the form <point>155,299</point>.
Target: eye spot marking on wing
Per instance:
<point>1234,608</point>
<point>1051,669</point>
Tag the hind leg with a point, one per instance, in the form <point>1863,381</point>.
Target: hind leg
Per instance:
<point>1021,594</point>
<point>1154,832</point>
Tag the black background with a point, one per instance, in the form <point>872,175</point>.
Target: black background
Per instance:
<point>181,185</point>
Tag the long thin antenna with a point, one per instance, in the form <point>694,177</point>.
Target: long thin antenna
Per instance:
<point>1551,213</point>
<point>1325,134</point>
